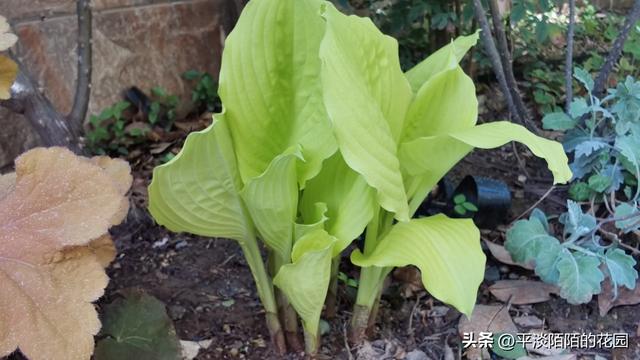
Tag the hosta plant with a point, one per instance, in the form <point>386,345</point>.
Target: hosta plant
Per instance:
<point>55,211</point>
<point>323,136</point>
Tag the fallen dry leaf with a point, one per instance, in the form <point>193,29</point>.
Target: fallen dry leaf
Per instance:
<point>8,73</point>
<point>522,292</point>
<point>545,350</point>
<point>190,349</point>
<point>7,39</point>
<point>410,279</point>
<point>529,321</point>
<point>50,270</point>
<point>493,318</point>
<point>486,318</point>
<point>625,297</point>
<point>501,254</point>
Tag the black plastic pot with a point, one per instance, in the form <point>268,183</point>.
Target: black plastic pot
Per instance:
<point>443,195</point>
<point>491,197</point>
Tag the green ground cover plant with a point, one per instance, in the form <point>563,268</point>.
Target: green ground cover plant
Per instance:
<point>603,135</point>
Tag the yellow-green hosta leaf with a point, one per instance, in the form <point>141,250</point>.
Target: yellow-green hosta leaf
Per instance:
<point>270,86</point>
<point>350,202</point>
<point>366,96</point>
<point>272,201</point>
<point>315,240</point>
<point>432,157</point>
<point>447,252</point>
<point>446,102</point>
<point>305,282</point>
<point>315,220</point>
<point>198,190</point>
<point>440,60</point>
<point>426,160</point>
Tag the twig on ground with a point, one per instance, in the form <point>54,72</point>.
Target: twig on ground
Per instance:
<point>521,163</point>
<point>553,187</point>
<point>346,342</point>
<point>413,312</point>
<point>506,305</point>
<point>630,248</point>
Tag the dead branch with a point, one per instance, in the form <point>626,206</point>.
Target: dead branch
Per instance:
<point>507,65</point>
<point>568,67</point>
<point>83,82</point>
<point>496,63</point>
<point>494,57</point>
<point>616,50</point>
<point>26,99</point>
<point>50,125</point>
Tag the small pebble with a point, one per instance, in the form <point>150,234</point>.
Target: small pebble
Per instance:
<point>176,312</point>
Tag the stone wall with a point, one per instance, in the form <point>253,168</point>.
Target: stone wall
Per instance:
<point>135,42</point>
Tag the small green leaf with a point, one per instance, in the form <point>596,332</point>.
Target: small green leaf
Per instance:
<point>558,121</point>
<point>94,120</point>
<point>576,222</point>
<point>579,277</point>
<point>159,92</point>
<point>629,147</point>
<point>599,183</point>
<point>470,206</point>
<point>192,74</point>
<point>459,209</point>
<point>342,277</point>
<point>625,210</point>
<point>549,250</point>
<point>137,327</point>
<point>580,191</point>
<point>578,108</point>
<point>524,239</point>
<point>459,199</point>
<point>584,77</point>
<point>541,216</point>
<point>621,269</point>
<point>154,113</point>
